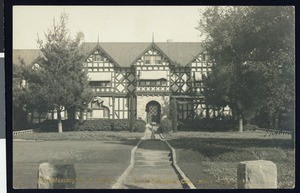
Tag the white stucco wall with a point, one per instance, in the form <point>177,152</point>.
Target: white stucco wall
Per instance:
<point>142,101</point>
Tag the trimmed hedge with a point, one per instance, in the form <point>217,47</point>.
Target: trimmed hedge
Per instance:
<point>207,124</point>
<point>92,125</point>
<point>165,126</point>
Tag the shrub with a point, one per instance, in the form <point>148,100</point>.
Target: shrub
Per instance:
<point>92,125</point>
<point>139,126</point>
<point>207,124</point>
<point>51,125</point>
<point>165,126</point>
<point>250,127</point>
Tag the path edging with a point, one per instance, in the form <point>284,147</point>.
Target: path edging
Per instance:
<point>187,181</point>
<point>118,183</point>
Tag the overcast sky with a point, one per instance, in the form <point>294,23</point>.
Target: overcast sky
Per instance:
<point>111,23</point>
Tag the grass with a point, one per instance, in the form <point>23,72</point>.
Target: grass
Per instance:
<point>99,158</point>
<point>81,136</point>
<point>210,159</point>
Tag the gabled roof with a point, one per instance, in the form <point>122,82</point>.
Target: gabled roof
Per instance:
<point>152,45</point>
<point>28,55</point>
<point>99,48</point>
<point>125,53</point>
<point>182,53</point>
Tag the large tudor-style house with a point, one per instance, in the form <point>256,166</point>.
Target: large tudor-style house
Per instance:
<point>145,76</point>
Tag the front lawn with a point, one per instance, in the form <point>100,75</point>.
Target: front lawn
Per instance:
<point>81,136</point>
<point>99,158</point>
<point>210,159</point>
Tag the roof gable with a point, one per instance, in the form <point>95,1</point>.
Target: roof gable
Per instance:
<point>182,53</point>
<point>125,53</point>
<point>98,48</point>
<point>154,47</point>
<point>28,55</point>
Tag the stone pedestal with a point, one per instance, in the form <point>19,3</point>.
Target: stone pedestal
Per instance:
<point>60,176</point>
<point>258,174</point>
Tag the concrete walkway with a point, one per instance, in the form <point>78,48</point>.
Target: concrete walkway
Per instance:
<point>152,167</point>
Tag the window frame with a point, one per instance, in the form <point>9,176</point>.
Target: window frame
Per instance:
<point>95,58</point>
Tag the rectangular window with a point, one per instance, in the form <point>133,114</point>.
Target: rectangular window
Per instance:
<point>100,83</point>
<point>105,113</point>
<point>147,59</point>
<point>142,83</point>
<point>152,59</point>
<point>163,83</point>
<point>97,57</point>
<point>198,84</point>
<point>203,57</point>
<point>207,58</point>
<point>152,83</point>
<point>158,83</point>
<point>158,59</point>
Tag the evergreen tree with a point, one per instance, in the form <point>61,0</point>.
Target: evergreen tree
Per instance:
<point>60,83</point>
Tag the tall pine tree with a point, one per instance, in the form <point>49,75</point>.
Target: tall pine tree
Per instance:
<point>61,75</point>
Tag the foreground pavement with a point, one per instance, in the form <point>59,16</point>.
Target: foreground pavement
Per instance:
<point>152,166</point>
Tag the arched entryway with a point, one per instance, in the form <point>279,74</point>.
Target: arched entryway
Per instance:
<point>153,110</point>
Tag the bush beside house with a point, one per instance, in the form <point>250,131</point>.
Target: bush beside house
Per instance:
<point>165,126</point>
<point>92,125</point>
<point>211,124</point>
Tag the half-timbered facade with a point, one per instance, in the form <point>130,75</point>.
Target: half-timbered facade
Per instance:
<point>142,76</point>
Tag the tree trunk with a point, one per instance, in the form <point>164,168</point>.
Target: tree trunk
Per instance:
<point>39,117</point>
<point>174,115</point>
<point>31,117</point>
<point>81,115</point>
<point>271,122</point>
<point>214,112</point>
<point>293,137</point>
<point>207,112</point>
<point>71,113</point>
<point>240,124</point>
<point>131,113</point>
<point>59,125</point>
<point>276,123</point>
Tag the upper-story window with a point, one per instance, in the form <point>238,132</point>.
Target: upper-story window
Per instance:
<point>100,83</point>
<point>205,57</point>
<point>152,59</point>
<point>161,82</point>
<point>97,58</point>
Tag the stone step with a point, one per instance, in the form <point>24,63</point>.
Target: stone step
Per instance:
<point>152,152</point>
<point>152,163</point>
<point>152,155</point>
<point>154,158</point>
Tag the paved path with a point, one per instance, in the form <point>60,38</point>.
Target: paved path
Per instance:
<point>152,168</point>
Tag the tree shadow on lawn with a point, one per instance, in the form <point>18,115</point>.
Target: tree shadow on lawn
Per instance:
<point>235,149</point>
<point>130,142</point>
<point>149,144</point>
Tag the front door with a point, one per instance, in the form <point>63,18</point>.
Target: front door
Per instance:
<point>153,112</point>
